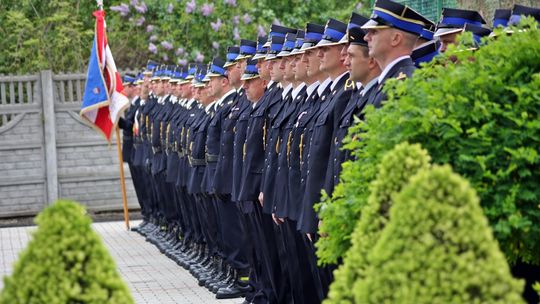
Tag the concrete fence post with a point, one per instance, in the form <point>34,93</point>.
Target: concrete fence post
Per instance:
<point>49,130</point>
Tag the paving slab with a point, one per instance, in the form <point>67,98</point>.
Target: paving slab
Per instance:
<point>151,276</point>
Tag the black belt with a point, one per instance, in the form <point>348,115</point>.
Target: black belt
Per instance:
<point>194,162</point>
<point>211,158</point>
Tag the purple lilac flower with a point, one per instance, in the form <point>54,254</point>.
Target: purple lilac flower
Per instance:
<point>152,48</point>
<point>276,22</point>
<point>182,61</point>
<point>134,2</point>
<point>215,45</point>
<point>216,25</point>
<point>261,31</point>
<point>166,45</point>
<point>207,9</point>
<point>179,52</point>
<point>199,57</point>
<point>153,38</point>
<point>230,2</point>
<point>236,20</point>
<point>141,8</point>
<point>140,21</point>
<point>190,6</point>
<point>170,8</point>
<point>247,18</point>
<point>165,57</point>
<point>123,9</point>
<point>236,34</point>
<point>149,28</point>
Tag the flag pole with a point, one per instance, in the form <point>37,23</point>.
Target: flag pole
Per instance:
<point>122,178</point>
<point>120,158</point>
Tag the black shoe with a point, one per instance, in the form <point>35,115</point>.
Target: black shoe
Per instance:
<point>230,292</point>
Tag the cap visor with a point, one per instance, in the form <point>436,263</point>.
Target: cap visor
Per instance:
<point>240,57</point>
<point>259,56</point>
<point>372,24</point>
<point>446,31</point>
<point>249,76</point>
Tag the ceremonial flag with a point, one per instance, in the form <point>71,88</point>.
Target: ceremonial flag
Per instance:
<point>104,100</point>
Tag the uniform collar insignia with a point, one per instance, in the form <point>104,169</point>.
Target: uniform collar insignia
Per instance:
<point>401,76</point>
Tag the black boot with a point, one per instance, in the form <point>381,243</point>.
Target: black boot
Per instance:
<point>238,288</point>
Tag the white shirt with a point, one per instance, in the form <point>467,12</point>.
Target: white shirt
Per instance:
<point>286,90</point>
<point>312,87</point>
<point>323,86</point>
<point>335,81</point>
<point>220,101</point>
<point>297,90</point>
<point>389,66</point>
<point>368,86</point>
<point>270,83</point>
<point>208,107</point>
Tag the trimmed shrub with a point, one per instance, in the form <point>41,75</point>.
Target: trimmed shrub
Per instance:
<point>437,248</point>
<point>395,170</point>
<point>65,262</point>
<point>480,113</point>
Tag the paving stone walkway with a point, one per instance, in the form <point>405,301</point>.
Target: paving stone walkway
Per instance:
<point>151,276</point>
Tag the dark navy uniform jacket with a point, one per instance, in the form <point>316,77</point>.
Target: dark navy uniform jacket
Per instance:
<point>275,107</point>
<point>296,158</point>
<point>238,147</point>
<point>282,203</point>
<point>254,146</point>
<point>144,153</point>
<point>213,140</point>
<point>126,124</point>
<point>401,70</point>
<point>170,145</point>
<point>196,150</point>
<point>319,150</point>
<point>160,115</point>
<point>338,155</point>
<point>182,137</point>
<point>224,168</point>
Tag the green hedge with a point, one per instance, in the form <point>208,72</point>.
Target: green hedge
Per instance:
<point>479,113</point>
<point>394,172</point>
<point>65,262</point>
<point>437,248</point>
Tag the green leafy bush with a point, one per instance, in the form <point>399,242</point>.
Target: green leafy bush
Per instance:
<point>437,248</point>
<point>481,115</point>
<point>57,34</point>
<point>65,262</point>
<point>394,172</point>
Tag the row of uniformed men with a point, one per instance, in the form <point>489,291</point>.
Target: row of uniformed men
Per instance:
<point>229,159</point>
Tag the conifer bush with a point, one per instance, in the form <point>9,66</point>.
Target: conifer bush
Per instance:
<point>65,262</point>
<point>437,248</point>
<point>480,113</point>
<point>394,172</point>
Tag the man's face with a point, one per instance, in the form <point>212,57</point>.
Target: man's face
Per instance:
<point>214,86</point>
<point>137,90</point>
<point>158,88</point>
<point>128,90</point>
<point>234,73</point>
<point>286,68</point>
<point>254,88</point>
<point>275,72</point>
<point>166,87</point>
<point>299,68</point>
<point>330,57</point>
<point>357,62</point>
<point>313,62</point>
<point>378,41</point>
<point>447,40</point>
<point>262,66</point>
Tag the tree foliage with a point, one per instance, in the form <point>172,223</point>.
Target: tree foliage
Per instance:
<point>479,112</point>
<point>394,172</point>
<point>65,262</point>
<point>437,248</point>
<point>58,34</point>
